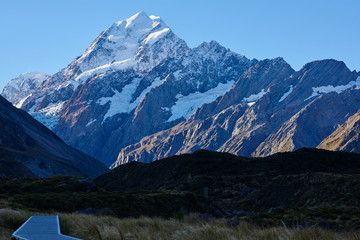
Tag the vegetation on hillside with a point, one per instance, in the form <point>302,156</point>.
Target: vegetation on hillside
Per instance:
<point>72,194</point>
<point>305,178</point>
<point>306,189</point>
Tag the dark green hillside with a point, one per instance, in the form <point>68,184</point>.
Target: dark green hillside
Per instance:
<point>301,188</point>
<point>304,178</point>
<point>72,194</point>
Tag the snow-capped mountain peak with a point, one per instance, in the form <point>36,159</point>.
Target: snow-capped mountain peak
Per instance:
<point>136,44</point>
<point>123,41</point>
<point>21,86</point>
<point>138,92</point>
<point>141,18</point>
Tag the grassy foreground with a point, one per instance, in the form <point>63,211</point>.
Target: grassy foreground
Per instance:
<point>190,227</point>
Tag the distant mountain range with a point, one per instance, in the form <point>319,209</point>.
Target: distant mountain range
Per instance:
<point>139,93</point>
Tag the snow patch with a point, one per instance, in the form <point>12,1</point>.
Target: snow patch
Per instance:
<point>53,109</point>
<point>37,101</point>
<point>185,106</point>
<point>157,82</point>
<point>338,89</point>
<point>91,122</point>
<point>21,102</point>
<point>71,82</point>
<point>17,90</point>
<point>287,93</point>
<point>254,97</point>
<point>116,66</point>
<point>138,18</point>
<point>153,17</point>
<point>49,116</point>
<point>120,102</point>
<point>156,36</point>
<point>21,82</point>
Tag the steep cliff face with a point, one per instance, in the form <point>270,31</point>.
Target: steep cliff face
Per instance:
<point>311,124</point>
<point>323,94</point>
<point>104,114</point>
<point>294,110</point>
<point>30,149</point>
<point>208,130</point>
<point>346,137</point>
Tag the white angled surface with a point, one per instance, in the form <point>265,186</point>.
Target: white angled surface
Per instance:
<point>41,228</point>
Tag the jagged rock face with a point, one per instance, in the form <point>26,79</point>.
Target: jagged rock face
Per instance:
<point>138,90</point>
<point>311,124</point>
<point>296,109</point>
<point>346,137</point>
<point>22,86</point>
<point>135,79</point>
<point>259,77</point>
<point>210,132</point>
<point>310,109</point>
<point>275,113</point>
<point>104,114</point>
<point>30,149</point>
<point>140,38</point>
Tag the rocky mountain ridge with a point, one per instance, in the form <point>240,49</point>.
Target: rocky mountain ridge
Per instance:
<point>139,93</point>
<point>289,115</point>
<point>345,137</point>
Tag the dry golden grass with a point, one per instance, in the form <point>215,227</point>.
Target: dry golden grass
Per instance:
<point>108,227</point>
<point>10,221</point>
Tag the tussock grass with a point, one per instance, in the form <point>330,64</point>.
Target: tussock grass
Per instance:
<point>189,228</point>
<point>10,221</point>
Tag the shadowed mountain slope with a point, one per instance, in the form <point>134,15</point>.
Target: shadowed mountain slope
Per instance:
<point>27,148</point>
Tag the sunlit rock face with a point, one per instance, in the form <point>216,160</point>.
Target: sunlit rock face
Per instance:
<point>139,93</point>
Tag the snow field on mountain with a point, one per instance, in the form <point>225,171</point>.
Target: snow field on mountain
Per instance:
<point>49,116</point>
<point>120,102</point>
<point>287,93</point>
<point>20,88</point>
<point>22,80</point>
<point>116,66</point>
<point>91,122</point>
<point>155,36</point>
<point>22,101</point>
<point>185,106</point>
<point>254,97</point>
<point>338,89</point>
<point>122,42</point>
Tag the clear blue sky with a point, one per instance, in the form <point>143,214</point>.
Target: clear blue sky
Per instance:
<point>46,35</point>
